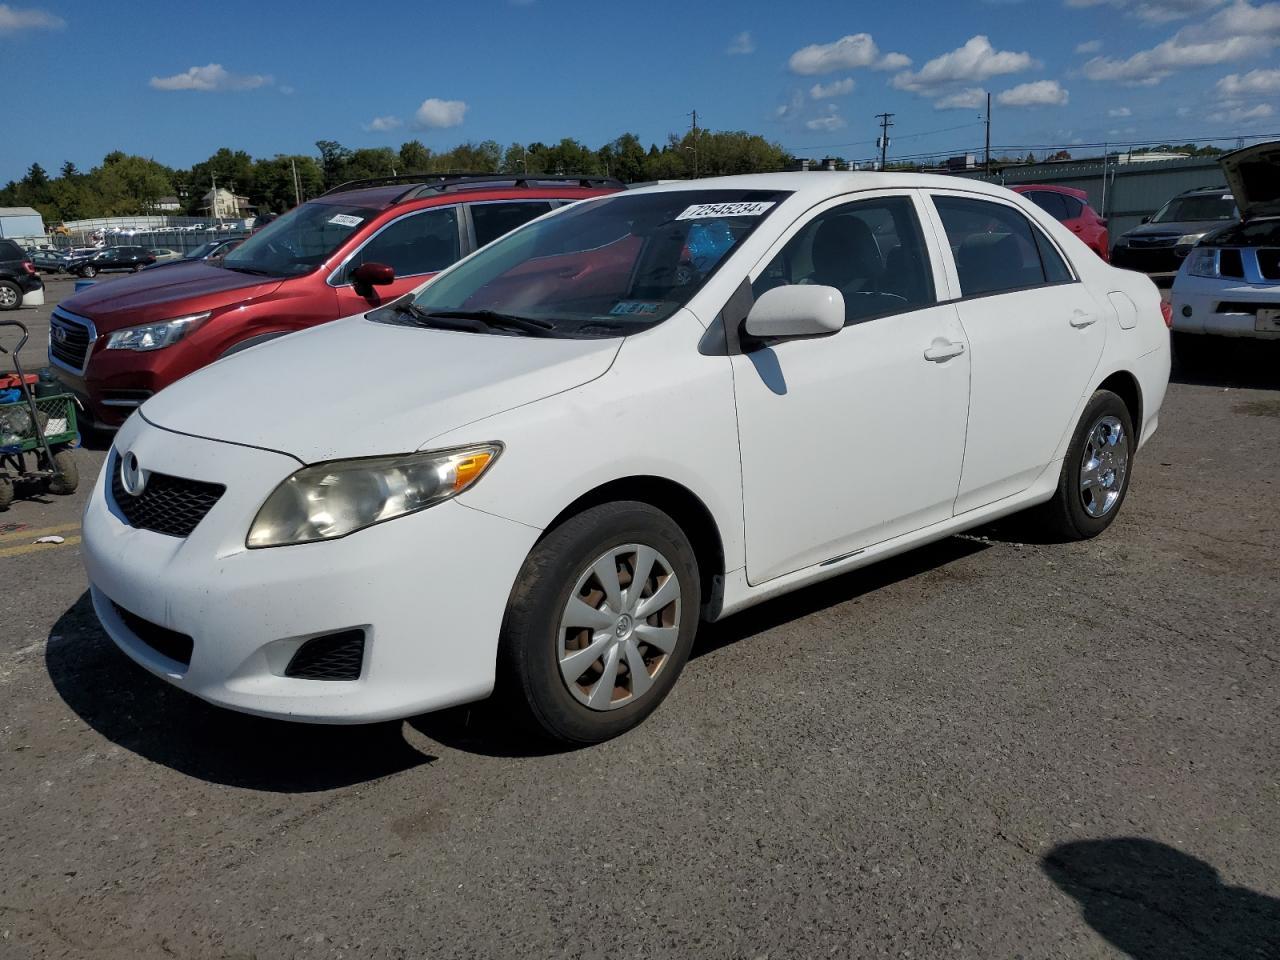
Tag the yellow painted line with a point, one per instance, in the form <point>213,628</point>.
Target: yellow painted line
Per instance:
<point>33,547</point>
<point>42,532</point>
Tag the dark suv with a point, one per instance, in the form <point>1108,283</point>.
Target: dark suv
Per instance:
<point>1164,239</point>
<point>19,281</point>
<point>112,258</point>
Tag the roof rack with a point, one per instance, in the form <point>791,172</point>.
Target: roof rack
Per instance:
<point>421,184</point>
<point>1211,186</point>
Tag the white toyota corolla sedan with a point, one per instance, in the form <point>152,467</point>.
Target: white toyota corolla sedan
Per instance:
<point>541,471</point>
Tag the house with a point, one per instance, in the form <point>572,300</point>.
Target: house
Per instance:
<point>167,203</point>
<point>227,204</point>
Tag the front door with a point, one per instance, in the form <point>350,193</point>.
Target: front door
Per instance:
<point>855,438</point>
<point>415,246</point>
<point>1035,335</point>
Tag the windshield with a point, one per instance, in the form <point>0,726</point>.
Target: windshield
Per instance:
<point>1184,209</point>
<point>606,267</point>
<point>299,241</point>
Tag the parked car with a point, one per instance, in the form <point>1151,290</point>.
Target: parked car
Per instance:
<point>49,261</point>
<point>112,258</point>
<point>1230,284</point>
<point>1164,239</point>
<point>1071,207</point>
<point>355,248</point>
<point>164,254</point>
<point>19,282</point>
<point>212,251</point>
<point>543,468</point>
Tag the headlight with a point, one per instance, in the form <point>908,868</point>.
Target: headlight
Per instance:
<point>331,500</point>
<point>1189,239</point>
<point>153,336</point>
<point>1203,262</point>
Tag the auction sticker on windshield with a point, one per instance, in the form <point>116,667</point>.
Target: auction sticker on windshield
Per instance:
<point>345,220</point>
<point>740,209</point>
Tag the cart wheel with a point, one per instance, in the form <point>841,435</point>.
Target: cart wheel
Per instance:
<point>66,474</point>
<point>6,494</point>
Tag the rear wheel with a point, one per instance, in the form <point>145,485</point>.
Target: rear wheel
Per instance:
<point>10,295</point>
<point>1096,471</point>
<point>600,622</point>
<point>66,475</point>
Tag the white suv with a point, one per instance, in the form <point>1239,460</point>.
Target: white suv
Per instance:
<point>544,468</point>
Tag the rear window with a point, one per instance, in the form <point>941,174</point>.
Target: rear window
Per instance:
<point>1208,207</point>
<point>11,251</point>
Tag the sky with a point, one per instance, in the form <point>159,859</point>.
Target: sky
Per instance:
<point>176,81</point>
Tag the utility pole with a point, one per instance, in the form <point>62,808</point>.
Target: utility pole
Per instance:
<point>693,128</point>
<point>213,198</point>
<point>987,161</point>
<point>886,121</point>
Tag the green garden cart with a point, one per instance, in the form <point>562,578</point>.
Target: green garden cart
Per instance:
<point>38,435</point>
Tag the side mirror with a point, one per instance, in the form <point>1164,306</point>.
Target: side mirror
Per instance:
<point>1146,219</point>
<point>369,275</point>
<point>796,310</point>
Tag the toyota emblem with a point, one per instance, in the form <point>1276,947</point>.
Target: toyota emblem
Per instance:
<point>132,477</point>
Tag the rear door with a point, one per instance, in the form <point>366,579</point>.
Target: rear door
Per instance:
<point>1035,334</point>
<point>416,246</point>
<point>487,220</point>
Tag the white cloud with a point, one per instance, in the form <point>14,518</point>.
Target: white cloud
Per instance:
<point>836,88</point>
<point>848,53</point>
<point>793,106</point>
<point>1239,114</point>
<point>1119,112</point>
<point>1237,32</point>
<point>383,124</point>
<point>1089,46</point>
<point>1255,83</point>
<point>440,113</point>
<point>1041,93</point>
<point>742,43</point>
<point>13,19</point>
<point>1155,11</point>
<point>210,78</point>
<point>828,122</point>
<point>968,99</point>
<point>974,62</point>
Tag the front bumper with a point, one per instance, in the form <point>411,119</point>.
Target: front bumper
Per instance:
<point>429,590</point>
<point>1225,308</point>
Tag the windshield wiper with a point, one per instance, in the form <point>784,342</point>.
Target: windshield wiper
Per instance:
<point>250,270</point>
<point>482,320</point>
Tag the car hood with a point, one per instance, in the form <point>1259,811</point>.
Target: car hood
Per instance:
<point>152,295</point>
<point>356,388</point>
<point>1173,228</point>
<point>1254,177</point>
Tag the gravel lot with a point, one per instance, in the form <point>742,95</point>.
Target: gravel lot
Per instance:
<point>987,748</point>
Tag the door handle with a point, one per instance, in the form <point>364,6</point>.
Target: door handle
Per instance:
<point>942,350</point>
<point>1080,319</point>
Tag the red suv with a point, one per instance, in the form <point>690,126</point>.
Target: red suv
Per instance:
<point>355,248</point>
<point>1071,208</point>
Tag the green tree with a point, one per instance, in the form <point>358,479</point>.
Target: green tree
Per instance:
<point>415,157</point>
<point>274,189</point>
<point>333,158</point>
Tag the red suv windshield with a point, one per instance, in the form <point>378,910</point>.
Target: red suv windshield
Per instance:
<point>299,241</point>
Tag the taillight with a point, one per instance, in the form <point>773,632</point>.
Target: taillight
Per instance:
<point>28,266</point>
<point>1166,311</point>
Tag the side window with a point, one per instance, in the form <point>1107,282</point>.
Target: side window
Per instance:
<point>492,220</point>
<point>996,248</point>
<point>872,251</point>
<point>419,243</point>
<point>1051,203</point>
<point>1075,208</point>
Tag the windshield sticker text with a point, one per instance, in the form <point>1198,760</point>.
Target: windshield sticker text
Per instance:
<point>743,209</point>
<point>634,308</point>
<point>345,220</point>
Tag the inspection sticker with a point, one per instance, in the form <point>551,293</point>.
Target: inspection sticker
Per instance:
<point>700,211</point>
<point>634,308</point>
<point>346,220</point>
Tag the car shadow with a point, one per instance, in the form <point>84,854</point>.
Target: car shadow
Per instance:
<point>147,716</point>
<point>1157,903</point>
<point>1226,362</point>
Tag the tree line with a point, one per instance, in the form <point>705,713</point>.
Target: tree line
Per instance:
<point>125,184</point>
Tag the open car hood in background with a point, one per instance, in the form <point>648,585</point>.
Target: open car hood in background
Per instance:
<point>1254,177</point>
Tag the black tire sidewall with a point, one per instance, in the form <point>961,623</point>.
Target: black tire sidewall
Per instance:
<point>528,645</point>
<point>88,272</point>
<point>66,473</point>
<point>1077,521</point>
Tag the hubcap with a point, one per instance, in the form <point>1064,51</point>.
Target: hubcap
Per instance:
<point>620,626</point>
<point>1104,466</point>
<point>7,297</point>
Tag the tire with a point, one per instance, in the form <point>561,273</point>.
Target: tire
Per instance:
<point>1106,429</point>
<point>88,272</point>
<point>534,642</point>
<point>10,295</point>
<point>67,474</point>
<point>6,494</point>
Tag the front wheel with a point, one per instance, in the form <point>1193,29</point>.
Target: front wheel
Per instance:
<point>1096,471</point>
<point>600,622</point>
<point>88,272</point>
<point>10,295</point>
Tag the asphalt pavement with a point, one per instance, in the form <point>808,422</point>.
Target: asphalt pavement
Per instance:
<point>992,747</point>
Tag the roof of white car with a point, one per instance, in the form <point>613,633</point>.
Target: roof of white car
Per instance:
<point>818,184</point>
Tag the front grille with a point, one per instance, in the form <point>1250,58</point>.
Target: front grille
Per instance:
<point>335,656</point>
<point>168,643</point>
<point>69,341</point>
<point>1269,263</point>
<point>1231,264</point>
<point>169,505</point>
<point>1149,241</point>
